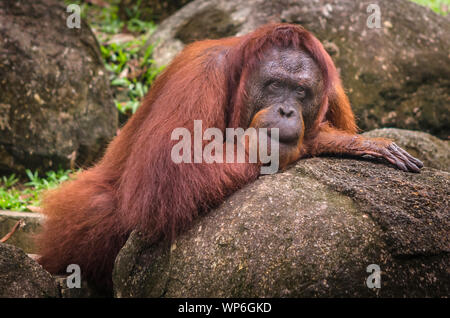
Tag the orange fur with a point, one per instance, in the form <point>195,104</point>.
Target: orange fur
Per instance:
<point>137,186</point>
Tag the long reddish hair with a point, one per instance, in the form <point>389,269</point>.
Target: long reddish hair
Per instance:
<point>136,185</point>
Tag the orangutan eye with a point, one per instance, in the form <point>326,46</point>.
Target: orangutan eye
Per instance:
<point>274,85</point>
<point>301,92</point>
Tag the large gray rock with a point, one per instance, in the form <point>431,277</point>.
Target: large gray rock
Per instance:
<point>310,231</point>
<point>54,93</point>
<point>22,277</point>
<point>396,76</point>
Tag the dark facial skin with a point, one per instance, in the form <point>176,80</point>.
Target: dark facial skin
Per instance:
<point>287,88</point>
<point>286,92</point>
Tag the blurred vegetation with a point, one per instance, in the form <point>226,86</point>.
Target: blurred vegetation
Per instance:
<point>25,195</point>
<point>151,10</point>
<point>439,6</point>
<point>122,44</point>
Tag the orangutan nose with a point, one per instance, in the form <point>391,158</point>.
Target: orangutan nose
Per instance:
<point>286,111</point>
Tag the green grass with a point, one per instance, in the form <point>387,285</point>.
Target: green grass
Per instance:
<point>439,6</point>
<point>122,59</point>
<point>19,195</point>
<point>122,44</point>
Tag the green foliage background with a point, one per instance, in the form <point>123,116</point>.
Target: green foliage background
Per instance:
<point>439,6</point>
